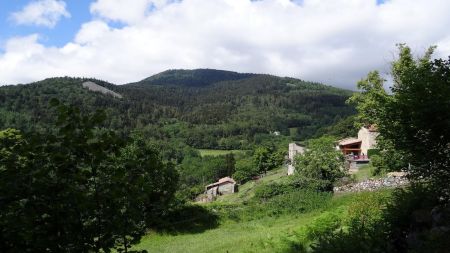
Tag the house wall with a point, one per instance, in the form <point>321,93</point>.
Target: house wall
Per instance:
<point>226,188</point>
<point>368,139</point>
<point>295,149</point>
<point>212,191</point>
<point>291,169</point>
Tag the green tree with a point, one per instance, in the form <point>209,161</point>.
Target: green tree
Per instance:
<point>230,163</point>
<point>245,170</point>
<point>414,120</point>
<point>78,189</point>
<point>266,158</point>
<point>320,162</point>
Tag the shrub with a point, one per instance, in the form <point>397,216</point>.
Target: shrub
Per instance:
<point>326,224</point>
<point>377,163</point>
<point>245,170</point>
<point>362,229</point>
<point>372,152</point>
<point>296,202</point>
<point>321,162</point>
<point>267,191</point>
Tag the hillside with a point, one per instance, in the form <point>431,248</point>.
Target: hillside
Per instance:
<point>204,108</point>
<point>248,224</point>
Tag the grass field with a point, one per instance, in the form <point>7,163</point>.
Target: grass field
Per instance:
<point>271,233</point>
<point>217,152</point>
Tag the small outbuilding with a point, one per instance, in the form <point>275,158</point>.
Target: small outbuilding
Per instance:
<point>224,186</point>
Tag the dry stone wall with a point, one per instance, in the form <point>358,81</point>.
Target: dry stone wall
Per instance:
<point>373,184</point>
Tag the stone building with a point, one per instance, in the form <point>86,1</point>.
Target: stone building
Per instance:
<point>225,185</point>
<point>359,146</point>
<point>294,149</point>
<point>356,150</point>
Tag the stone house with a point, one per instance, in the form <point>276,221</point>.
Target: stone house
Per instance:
<point>225,185</point>
<point>355,150</point>
<point>359,146</point>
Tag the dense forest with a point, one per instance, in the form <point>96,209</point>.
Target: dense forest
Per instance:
<point>203,108</point>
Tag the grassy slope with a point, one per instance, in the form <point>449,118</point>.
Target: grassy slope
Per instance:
<point>270,234</point>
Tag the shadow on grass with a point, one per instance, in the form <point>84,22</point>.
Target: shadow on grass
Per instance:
<point>189,219</point>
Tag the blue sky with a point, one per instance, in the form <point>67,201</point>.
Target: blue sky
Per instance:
<point>61,34</point>
<point>332,41</point>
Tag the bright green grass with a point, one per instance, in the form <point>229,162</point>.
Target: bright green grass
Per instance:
<point>265,235</point>
<point>269,234</point>
<point>363,173</point>
<point>217,152</point>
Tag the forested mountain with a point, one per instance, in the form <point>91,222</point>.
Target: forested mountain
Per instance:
<point>196,77</point>
<point>203,108</point>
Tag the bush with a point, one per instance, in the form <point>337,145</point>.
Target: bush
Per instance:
<point>296,202</point>
<point>245,170</point>
<point>326,224</point>
<point>418,221</point>
<point>321,162</point>
<point>377,163</point>
<point>314,184</point>
<point>362,228</point>
<point>267,191</point>
<point>372,152</point>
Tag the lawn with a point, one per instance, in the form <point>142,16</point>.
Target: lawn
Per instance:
<point>218,152</point>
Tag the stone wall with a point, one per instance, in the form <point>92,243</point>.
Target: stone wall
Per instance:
<point>373,184</point>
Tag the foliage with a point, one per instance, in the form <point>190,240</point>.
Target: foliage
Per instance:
<point>325,225</point>
<point>413,121</point>
<point>373,151</point>
<point>78,188</point>
<point>292,202</point>
<point>358,231</point>
<point>264,192</point>
<point>321,162</point>
<point>245,170</point>
<point>416,221</point>
<point>267,158</point>
<point>378,167</point>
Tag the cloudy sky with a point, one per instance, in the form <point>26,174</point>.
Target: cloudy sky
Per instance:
<point>332,41</point>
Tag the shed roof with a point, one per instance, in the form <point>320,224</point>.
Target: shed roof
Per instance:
<point>223,180</point>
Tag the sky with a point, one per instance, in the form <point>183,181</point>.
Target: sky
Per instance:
<point>336,42</point>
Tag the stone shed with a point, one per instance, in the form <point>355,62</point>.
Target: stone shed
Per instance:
<point>225,185</point>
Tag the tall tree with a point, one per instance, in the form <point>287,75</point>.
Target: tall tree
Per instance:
<point>321,162</point>
<point>415,118</point>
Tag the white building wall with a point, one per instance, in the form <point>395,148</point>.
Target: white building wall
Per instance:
<point>368,139</point>
<point>294,149</point>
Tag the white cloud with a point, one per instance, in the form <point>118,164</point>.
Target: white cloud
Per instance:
<point>332,41</point>
<point>41,13</point>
